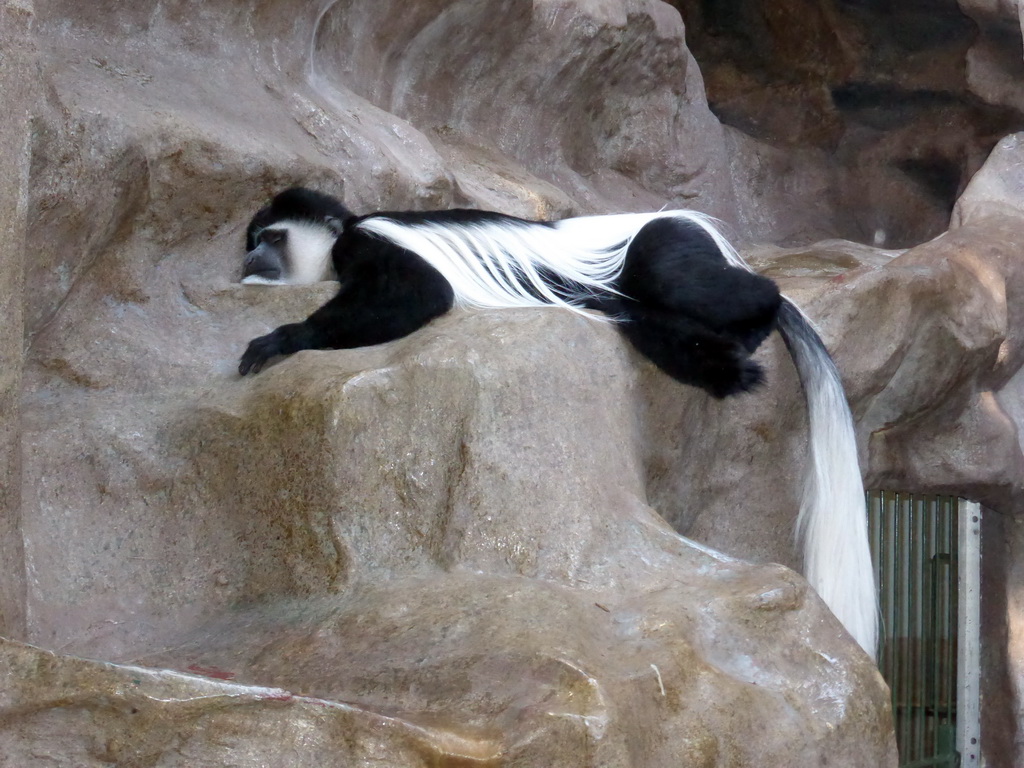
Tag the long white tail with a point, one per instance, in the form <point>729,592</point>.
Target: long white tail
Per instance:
<point>833,521</point>
<point>833,518</point>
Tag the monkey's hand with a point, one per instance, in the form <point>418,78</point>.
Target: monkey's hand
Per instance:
<point>284,340</point>
<point>259,351</point>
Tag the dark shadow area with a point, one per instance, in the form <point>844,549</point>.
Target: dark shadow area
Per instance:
<point>881,89</point>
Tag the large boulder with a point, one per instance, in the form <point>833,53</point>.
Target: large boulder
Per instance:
<point>445,543</point>
<point>449,530</point>
<point>463,546</point>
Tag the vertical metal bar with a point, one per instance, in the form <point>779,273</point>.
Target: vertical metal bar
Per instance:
<point>875,523</point>
<point>879,512</point>
<point>953,550</point>
<point>932,660</point>
<point>934,670</point>
<point>913,636</point>
<point>968,705</point>
<point>888,596</point>
<point>901,666</point>
<point>924,509</point>
<point>954,607</point>
<point>948,513</point>
<point>947,735</point>
<point>883,583</point>
<point>943,615</point>
<point>907,636</point>
<point>914,630</point>
<point>948,611</point>
<point>897,624</point>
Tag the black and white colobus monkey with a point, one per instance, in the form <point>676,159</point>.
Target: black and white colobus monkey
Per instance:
<point>676,288</point>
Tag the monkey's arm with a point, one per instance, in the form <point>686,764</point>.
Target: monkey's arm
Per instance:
<point>380,300</point>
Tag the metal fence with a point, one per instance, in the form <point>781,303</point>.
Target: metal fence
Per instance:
<point>920,569</point>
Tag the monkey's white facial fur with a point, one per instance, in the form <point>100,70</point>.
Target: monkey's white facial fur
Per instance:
<point>290,253</point>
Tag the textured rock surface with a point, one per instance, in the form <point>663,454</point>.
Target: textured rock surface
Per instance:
<point>59,710</point>
<point>428,534</point>
<point>997,189</point>
<point>994,62</point>
<point>18,86</point>
<point>449,535</point>
<point>588,95</point>
<point>446,550</point>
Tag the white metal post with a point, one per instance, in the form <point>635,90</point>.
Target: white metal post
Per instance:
<point>968,698</point>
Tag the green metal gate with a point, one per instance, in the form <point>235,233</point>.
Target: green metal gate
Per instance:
<point>918,554</point>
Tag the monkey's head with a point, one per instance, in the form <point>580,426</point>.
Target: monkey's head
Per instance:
<point>289,241</point>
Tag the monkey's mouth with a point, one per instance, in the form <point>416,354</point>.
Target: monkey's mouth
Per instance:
<point>261,277</point>
<point>271,273</point>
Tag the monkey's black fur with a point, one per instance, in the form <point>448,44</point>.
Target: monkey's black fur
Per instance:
<point>690,312</point>
<point>296,204</point>
<point>386,293</point>
<point>678,300</point>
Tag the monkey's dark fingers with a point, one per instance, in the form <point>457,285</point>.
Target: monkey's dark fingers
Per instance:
<point>259,351</point>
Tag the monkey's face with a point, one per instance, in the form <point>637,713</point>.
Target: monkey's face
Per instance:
<point>291,253</point>
<point>268,261</point>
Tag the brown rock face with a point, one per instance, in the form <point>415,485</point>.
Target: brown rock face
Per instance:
<point>453,549</point>
<point>592,96</point>
<point>423,531</point>
<point>17,84</point>
<point>441,550</point>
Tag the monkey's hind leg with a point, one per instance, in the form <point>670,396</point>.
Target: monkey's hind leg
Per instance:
<point>690,352</point>
<point>676,267</point>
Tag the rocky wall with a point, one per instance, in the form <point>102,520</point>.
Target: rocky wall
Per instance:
<point>18,84</point>
<point>873,115</point>
<point>452,549</point>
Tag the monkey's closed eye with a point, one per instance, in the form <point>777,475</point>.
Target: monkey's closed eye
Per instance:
<point>273,236</point>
